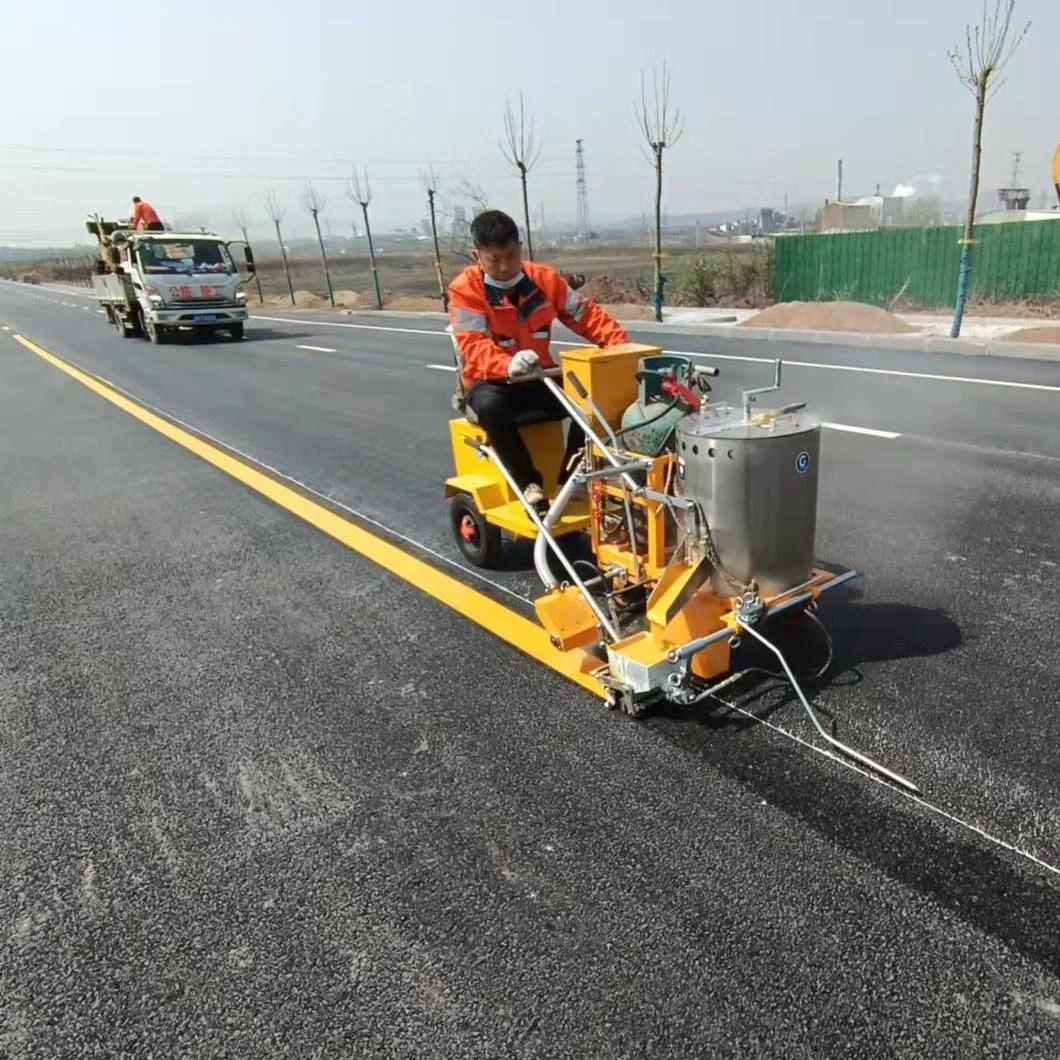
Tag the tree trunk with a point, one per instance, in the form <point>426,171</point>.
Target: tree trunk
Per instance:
<point>324,259</point>
<point>969,222</point>
<point>443,294</point>
<point>286,267</point>
<point>526,216</point>
<point>657,255</point>
<point>371,257</point>
<point>257,278</point>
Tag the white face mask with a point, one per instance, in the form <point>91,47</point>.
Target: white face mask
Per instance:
<point>504,285</point>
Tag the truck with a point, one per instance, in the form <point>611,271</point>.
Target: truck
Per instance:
<point>153,284</point>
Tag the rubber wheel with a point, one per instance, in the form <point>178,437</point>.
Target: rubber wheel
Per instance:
<point>479,541</point>
<point>154,333</point>
<point>236,331</point>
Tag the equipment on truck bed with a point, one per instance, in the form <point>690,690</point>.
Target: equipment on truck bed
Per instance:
<point>154,283</point>
<point>701,520</point>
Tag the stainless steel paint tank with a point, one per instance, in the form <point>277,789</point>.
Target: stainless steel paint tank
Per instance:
<point>756,484</point>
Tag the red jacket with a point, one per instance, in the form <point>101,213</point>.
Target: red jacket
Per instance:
<point>144,212</point>
<point>491,325</point>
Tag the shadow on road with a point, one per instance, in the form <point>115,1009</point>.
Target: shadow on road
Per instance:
<point>1000,894</point>
<point>278,335</point>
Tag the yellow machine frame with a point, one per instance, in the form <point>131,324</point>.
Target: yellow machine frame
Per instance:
<point>682,606</point>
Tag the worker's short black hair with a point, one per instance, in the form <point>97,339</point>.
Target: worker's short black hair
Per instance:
<point>136,198</point>
<point>494,228</point>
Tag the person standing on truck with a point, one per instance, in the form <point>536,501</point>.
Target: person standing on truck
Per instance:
<point>144,216</point>
<point>501,310</point>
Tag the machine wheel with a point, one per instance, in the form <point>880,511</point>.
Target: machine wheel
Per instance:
<point>236,331</point>
<point>479,541</point>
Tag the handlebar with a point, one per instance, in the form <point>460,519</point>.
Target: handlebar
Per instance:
<point>541,373</point>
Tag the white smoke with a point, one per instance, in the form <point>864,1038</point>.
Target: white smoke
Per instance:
<point>927,185</point>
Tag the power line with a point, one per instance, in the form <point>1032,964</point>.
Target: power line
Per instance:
<point>292,158</point>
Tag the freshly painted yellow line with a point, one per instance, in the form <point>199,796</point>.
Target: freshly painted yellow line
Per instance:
<point>510,626</point>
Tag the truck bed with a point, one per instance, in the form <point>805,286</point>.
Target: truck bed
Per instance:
<point>113,289</point>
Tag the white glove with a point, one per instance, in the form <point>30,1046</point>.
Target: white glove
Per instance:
<point>522,363</point>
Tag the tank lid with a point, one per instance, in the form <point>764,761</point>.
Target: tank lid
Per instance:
<point>726,421</point>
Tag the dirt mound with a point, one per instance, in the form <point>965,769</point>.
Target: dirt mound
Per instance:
<point>1042,334</point>
<point>609,290</point>
<point>307,300</point>
<point>413,304</point>
<point>829,316</point>
<point>625,311</point>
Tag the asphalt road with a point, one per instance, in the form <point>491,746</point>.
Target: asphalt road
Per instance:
<point>261,798</point>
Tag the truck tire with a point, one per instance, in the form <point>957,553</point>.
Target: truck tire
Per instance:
<point>156,333</point>
<point>124,329</point>
<point>236,331</point>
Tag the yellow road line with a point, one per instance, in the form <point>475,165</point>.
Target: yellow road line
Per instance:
<point>510,626</point>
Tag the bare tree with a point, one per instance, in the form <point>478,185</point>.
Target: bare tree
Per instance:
<point>661,129</point>
<point>239,216</point>
<point>521,151</point>
<point>276,213</point>
<point>360,190</point>
<point>460,243</point>
<point>314,203</point>
<point>979,63</point>
<point>430,184</point>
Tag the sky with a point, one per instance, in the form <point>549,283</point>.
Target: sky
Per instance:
<point>198,108</point>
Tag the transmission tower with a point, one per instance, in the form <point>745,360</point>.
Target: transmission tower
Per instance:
<point>583,226</point>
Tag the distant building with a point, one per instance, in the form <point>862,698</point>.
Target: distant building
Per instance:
<point>885,210</point>
<point>844,217</point>
<point>1001,217</point>
<point>1014,198</point>
<point>767,221</point>
<point>459,220</point>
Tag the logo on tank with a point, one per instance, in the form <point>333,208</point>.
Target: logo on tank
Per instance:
<point>802,462</point>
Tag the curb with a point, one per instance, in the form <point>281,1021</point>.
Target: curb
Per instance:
<point>1035,351</point>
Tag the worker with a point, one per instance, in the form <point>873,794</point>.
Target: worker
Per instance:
<point>144,216</point>
<point>501,310</point>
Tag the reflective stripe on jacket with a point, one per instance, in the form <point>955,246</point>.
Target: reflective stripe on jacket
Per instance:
<point>491,324</point>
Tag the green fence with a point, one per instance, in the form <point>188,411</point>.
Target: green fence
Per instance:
<point>1011,261</point>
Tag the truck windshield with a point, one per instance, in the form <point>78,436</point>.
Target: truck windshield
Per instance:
<point>204,256</point>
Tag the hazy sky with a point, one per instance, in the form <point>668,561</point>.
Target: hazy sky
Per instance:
<point>197,106</point>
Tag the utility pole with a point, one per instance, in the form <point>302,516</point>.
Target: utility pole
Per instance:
<point>839,183</point>
<point>582,224</point>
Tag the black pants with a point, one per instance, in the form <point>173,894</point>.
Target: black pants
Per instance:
<point>497,407</point>
<point>156,226</point>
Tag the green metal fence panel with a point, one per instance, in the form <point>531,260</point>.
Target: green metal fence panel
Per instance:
<point>1011,261</point>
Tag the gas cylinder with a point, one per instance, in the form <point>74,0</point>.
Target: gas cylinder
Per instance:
<point>648,424</point>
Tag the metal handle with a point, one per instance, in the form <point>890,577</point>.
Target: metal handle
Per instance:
<point>536,375</point>
<point>749,396</point>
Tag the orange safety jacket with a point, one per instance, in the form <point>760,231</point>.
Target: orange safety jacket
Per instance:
<point>143,211</point>
<point>492,324</point>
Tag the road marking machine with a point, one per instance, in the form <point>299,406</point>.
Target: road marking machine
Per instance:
<point>700,517</point>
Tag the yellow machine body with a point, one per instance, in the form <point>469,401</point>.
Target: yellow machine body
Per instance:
<point>494,498</point>
<point>681,606</point>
